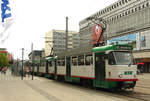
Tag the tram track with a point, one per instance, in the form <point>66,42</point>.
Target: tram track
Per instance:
<point>143,87</point>
<point>134,95</point>
<point>130,95</point>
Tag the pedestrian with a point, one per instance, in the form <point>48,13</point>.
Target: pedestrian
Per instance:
<point>28,72</point>
<point>4,69</point>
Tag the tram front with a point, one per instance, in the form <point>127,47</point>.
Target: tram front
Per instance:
<point>120,67</point>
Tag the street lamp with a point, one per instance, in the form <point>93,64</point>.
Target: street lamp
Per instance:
<point>22,64</point>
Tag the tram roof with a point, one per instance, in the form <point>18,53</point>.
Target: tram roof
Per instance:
<point>113,47</point>
<point>89,49</point>
<point>76,51</point>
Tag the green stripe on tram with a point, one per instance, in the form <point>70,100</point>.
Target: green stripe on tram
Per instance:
<point>49,58</point>
<point>113,47</point>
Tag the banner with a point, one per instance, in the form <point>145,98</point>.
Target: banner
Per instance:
<point>6,19</point>
<point>96,34</point>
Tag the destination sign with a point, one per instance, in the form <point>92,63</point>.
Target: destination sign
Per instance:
<point>123,48</point>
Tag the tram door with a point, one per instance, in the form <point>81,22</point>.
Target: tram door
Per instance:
<point>99,66</point>
<point>46,67</point>
<point>55,68</point>
<point>38,67</point>
<point>68,66</point>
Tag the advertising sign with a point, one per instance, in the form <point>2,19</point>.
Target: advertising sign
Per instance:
<point>127,39</point>
<point>96,33</point>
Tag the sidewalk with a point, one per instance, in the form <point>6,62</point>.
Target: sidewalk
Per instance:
<point>15,89</point>
<point>145,76</point>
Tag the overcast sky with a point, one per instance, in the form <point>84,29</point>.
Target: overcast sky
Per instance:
<point>32,18</point>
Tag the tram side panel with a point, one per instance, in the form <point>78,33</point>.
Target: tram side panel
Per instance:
<point>35,70</point>
<point>42,70</point>
<point>61,70</point>
<point>84,72</point>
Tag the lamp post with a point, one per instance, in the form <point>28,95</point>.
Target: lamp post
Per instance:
<point>22,64</point>
<point>32,60</point>
<point>66,33</point>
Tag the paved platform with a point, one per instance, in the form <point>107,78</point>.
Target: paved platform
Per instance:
<point>12,88</point>
<point>15,89</point>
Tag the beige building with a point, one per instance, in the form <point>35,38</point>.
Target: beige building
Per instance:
<point>56,39</point>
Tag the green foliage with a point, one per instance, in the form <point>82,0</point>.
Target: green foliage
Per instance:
<point>3,60</point>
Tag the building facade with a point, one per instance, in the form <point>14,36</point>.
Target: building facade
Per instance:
<point>128,21</point>
<point>56,39</point>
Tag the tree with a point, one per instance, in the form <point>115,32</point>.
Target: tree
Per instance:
<point>3,60</point>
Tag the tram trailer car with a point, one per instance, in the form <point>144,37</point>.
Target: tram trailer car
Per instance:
<point>110,66</point>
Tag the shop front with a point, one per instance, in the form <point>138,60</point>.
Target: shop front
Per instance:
<point>143,61</point>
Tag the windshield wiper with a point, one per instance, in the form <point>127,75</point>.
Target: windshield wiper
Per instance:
<point>130,63</point>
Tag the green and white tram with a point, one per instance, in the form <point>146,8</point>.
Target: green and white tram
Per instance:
<point>110,66</point>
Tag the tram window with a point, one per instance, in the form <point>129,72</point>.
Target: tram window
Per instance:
<point>123,57</point>
<point>81,60</point>
<point>53,63</point>
<point>50,63</point>
<point>88,60</point>
<point>111,59</point>
<point>74,61</point>
<point>58,62</point>
<point>62,63</point>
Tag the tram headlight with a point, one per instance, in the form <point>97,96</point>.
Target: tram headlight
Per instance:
<point>120,76</point>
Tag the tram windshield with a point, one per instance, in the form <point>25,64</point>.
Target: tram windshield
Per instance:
<point>123,57</point>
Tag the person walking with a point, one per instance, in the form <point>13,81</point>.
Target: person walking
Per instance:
<point>28,72</point>
<point>4,69</point>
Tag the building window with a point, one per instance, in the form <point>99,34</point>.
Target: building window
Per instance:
<point>147,4</point>
<point>129,12</point>
<point>122,1</point>
<point>120,15</point>
<point>117,4</point>
<point>117,16</point>
<point>132,10</point>
<point>135,9</point>
<point>125,13</point>
<point>107,10</point>
<point>112,7</point>
<point>143,6</point>
<point>139,7</point>
<point>143,41</point>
